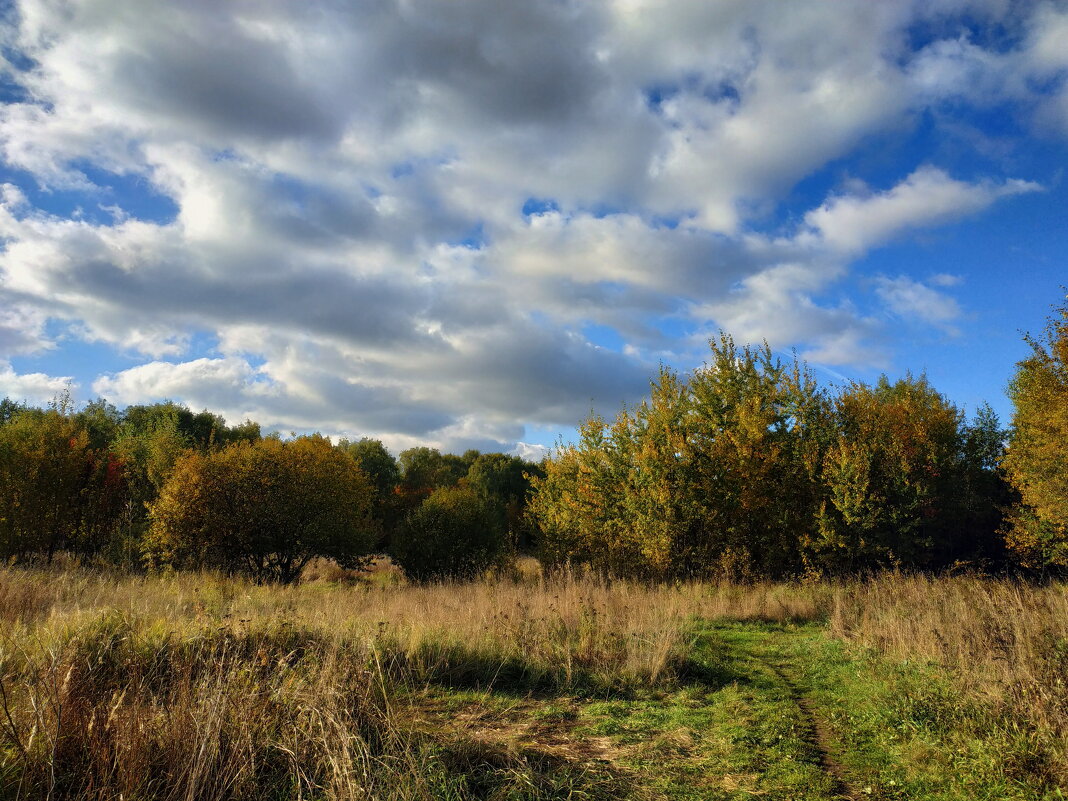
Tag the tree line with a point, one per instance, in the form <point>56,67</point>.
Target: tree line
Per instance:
<point>160,486</point>
<point>745,468</point>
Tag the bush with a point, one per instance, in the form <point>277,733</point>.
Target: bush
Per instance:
<point>263,508</point>
<point>455,533</point>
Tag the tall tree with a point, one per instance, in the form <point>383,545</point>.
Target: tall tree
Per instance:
<point>377,462</point>
<point>504,481</point>
<point>1037,459</point>
<point>714,474</point>
<point>424,469</point>
<point>56,492</point>
<point>891,476</point>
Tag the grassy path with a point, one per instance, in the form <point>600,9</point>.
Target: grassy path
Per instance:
<point>821,735</point>
<point>741,728</point>
<point>784,712</point>
<point>761,710</point>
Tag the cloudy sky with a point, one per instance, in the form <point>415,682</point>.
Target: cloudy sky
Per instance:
<point>470,223</point>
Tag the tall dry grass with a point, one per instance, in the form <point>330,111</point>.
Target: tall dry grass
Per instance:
<point>1004,642</point>
<point>567,628</point>
<point>199,686</point>
<point>193,686</point>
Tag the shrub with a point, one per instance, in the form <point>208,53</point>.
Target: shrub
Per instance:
<point>455,533</point>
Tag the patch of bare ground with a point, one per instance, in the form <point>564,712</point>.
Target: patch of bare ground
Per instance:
<point>519,724</point>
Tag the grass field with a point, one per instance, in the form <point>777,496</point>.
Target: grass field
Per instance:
<point>203,687</point>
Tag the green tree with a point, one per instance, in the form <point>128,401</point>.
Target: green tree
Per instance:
<point>982,496</point>
<point>377,462</point>
<point>199,429</point>
<point>504,481</point>
<point>383,471</point>
<point>9,408</point>
<point>455,533</point>
<point>263,508</point>
<point>424,469</point>
<point>1036,462</point>
<point>149,447</point>
<point>101,420</point>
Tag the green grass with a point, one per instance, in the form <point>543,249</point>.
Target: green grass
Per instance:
<point>732,733</point>
<point>782,711</point>
<point>904,731</point>
<point>785,712</point>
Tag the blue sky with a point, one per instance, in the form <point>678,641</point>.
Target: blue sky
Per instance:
<point>469,224</point>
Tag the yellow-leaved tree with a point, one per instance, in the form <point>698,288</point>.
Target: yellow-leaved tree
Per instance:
<point>263,508</point>
<point>1036,462</point>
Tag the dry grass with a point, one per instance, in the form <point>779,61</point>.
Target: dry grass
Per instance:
<point>200,686</point>
<point>1004,642</point>
<point>563,630</point>
<point>194,686</point>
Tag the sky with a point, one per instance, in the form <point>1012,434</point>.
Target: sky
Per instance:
<point>471,224</point>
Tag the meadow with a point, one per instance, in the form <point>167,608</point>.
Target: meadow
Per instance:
<point>522,686</point>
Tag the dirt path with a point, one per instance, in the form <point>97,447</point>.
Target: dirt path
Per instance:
<point>820,734</point>
<point>773,653</point>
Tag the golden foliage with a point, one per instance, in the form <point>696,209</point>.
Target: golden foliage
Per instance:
<point>1036,462</point>
<point>265,508</point>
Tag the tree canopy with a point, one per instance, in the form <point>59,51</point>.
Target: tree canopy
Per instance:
<point>1036,461</point>
<point>264,508</point>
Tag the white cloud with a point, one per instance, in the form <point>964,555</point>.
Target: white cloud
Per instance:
<point>349,180</point>
<point>913,299</point>
<point>35,388</point>
<point>927,198</point>
<point>530,452</point>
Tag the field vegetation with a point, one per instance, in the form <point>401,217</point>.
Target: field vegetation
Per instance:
<point>194,685</point>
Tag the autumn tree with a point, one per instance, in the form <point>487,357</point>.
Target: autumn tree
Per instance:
<point>891,476</point>
<point>716,473</point>
<point>577,504</point>
<point>149,447</point>
<point>755,436</point>
<point>746,468</point>
<point>264,508</point>
<point>56,492</point>
<point>1036,462</point>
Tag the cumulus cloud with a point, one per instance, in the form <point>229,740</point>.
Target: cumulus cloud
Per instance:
<point>37,388</point>
<point>928,197</point>
<point>347,192</point>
